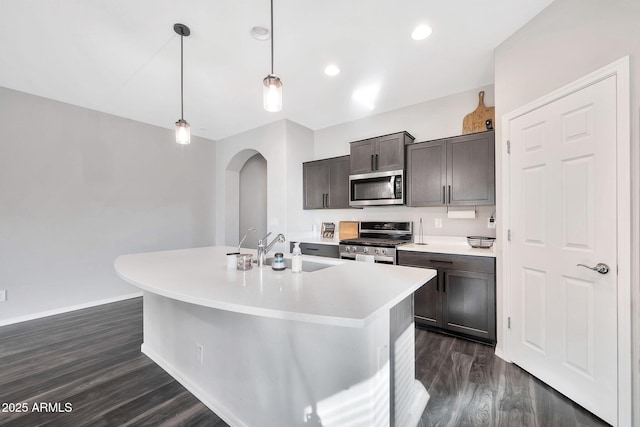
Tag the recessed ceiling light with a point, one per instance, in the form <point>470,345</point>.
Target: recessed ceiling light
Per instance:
<point>260,33</point>
<point>421,32</point>
<point>332,70</point>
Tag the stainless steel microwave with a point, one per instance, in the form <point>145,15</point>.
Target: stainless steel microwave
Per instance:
<point>377,188</point>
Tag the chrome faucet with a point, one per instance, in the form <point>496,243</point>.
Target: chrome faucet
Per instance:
<point>245,236</point>
<point>264,248</point>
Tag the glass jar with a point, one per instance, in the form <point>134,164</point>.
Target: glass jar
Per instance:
<point>278,262</point>
<point>245,261</point>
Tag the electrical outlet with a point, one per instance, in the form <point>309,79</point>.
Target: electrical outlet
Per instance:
<point>199,353</point>
<point>491,223</point>
<point>438,222</point>
<point>3,295</point>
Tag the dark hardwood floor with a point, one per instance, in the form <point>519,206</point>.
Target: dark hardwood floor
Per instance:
<point>91,360</point>
<point>470,386</point>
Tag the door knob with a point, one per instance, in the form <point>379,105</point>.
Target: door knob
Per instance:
<point>600,267</point>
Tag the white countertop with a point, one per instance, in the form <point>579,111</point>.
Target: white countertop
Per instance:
<point>448,245</point>
<point>346,294</point>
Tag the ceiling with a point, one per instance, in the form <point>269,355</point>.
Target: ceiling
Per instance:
<point>123,57</point>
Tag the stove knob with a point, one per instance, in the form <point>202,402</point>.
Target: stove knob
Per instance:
<point>377,251</point>
<point>353,249</point>
<point>347,249</point>
<point>365,250</point>
<point>384,252</point>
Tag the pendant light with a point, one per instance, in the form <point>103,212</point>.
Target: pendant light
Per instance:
<point>183,133</point>
<point>272,90</point>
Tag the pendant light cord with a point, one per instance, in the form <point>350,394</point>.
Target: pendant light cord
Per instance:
<point>271,36</point>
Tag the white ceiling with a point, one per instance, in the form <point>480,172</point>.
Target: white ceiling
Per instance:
<point>123,57</point>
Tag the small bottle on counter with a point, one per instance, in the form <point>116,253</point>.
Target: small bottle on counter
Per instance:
<point>296,259</point>
<point>278,262</point>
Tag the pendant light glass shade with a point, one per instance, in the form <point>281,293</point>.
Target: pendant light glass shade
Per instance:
<point>183,132</point>
<point>272,93</point>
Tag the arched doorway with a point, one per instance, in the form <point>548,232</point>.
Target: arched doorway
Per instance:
<point>245,198</point>
<point>253,200</point>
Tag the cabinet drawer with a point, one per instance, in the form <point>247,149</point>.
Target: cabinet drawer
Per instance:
<point>317,249</point>
<point>447,261</point>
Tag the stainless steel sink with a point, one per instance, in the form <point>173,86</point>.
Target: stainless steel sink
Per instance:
<point>307,266</point>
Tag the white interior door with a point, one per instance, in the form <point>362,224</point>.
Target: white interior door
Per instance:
<point>563,213</point>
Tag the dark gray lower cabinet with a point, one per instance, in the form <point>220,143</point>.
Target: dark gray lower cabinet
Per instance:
<point>318,249</point>
<point>461,299</point>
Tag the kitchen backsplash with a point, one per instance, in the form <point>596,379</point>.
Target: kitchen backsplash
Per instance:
<point>429,215</point>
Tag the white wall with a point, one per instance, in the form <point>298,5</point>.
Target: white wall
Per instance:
<point>429,120</point>
<point>77,189</point>
<point>284,145</point>
<point>566,41</point>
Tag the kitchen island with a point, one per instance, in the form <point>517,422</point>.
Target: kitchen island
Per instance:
<point>274,348</point>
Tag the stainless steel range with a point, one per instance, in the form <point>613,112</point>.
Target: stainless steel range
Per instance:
<point>378,239</point>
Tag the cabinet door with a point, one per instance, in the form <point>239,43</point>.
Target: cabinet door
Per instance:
<point>471,169</point>
<point>338,197</point>
<point>315,184</point>
<point>428,303</point>
<point>468,303</point>
<point>318,249</point>
<point>426,173</point>
<point>362,156</point>
<point>389,153</point>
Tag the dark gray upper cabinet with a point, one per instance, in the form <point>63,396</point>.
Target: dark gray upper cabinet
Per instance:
<point>452,171</point>
<point>379,154</point>
<point>471,169</point>
<point>338,183</point>
<point>426,173</point>
<point>326,183</point>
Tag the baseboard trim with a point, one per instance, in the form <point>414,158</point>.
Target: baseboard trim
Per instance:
<point>502,355</point>
<point>68,309</point>
<point>210,402</point>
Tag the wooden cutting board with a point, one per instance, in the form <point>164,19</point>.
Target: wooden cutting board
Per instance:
<point>348,229</point>
<point>476,121</point>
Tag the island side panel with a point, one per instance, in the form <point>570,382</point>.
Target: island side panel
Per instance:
<point>272,372</point>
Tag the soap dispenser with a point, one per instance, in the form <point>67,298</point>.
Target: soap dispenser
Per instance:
<point>296,258</point>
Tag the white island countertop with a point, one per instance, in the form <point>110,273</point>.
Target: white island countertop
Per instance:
<point>346,293</point>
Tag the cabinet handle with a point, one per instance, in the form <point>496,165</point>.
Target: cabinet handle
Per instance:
<point>327,203</point>
<point>444,197</point>
<point>324,200</point>
<point>372,163</point>
<point>376,162</point>
<point>445,262</point>
<point>449,194</point>
<point>444,284</point>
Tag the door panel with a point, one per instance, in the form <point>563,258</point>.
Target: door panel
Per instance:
<point>426,174</point>
<point>362,156</point>
<point>390,154</point>
<point>316,184</point>
<point>563,213</point>
<point>471,169</point>
<point>339,183</point>
<point>427,303</point>
<point>469,299</point>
